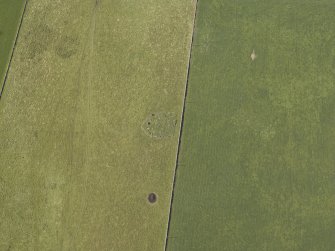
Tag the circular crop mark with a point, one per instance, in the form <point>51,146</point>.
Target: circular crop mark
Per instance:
<point>152,198</point>
<point>160,125</point>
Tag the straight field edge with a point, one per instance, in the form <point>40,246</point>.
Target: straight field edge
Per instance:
<point>4,80</point>
<point>181,123</point>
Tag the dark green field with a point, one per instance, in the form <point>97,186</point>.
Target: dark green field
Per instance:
<point>256,164</point>
<point>10,17</point>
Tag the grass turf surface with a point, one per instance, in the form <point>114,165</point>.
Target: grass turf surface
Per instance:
<point>10,16</point>
<point>89,124</point>
<point>256,164</point>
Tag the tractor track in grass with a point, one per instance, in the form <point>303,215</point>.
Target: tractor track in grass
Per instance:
<point>90,46</point>
<point>13,48</point>
<point>181,124</point>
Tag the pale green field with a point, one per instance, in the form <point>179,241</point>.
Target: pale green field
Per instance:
<point>78,157</point>
<point>10,17</point>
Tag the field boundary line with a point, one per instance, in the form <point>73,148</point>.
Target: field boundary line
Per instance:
<point>13,48</point>
<point>181,124</point>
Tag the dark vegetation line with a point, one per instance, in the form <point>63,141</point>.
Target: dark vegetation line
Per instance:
<point>181,126</point>
<point>13,49</point>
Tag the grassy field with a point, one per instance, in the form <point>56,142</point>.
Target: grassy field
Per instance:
<point>256,165</point>
<point>10,16</point>
<point>89,124</point>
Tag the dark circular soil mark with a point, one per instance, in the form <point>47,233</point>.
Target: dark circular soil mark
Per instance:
<point>38,40</point>
<point>67,46</point>
<point>152,197</point>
